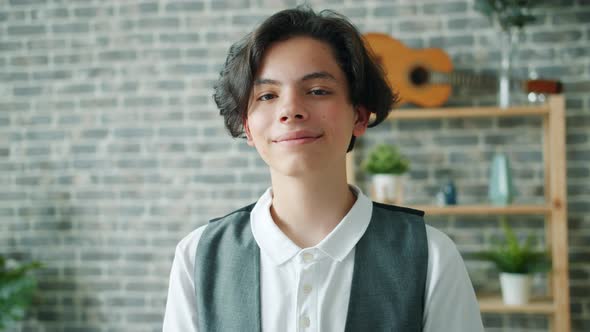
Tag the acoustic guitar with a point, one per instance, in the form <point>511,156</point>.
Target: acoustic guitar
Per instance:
<point>425,76</point>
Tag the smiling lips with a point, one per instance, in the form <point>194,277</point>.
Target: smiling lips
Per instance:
<point>297,137</point>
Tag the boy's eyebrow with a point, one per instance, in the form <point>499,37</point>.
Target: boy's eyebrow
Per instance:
<point>315,75</point>
<point>319,74</point>
<point>261,81</point>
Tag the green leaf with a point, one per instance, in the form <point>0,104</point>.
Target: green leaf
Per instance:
<point>17,288</point>
<point>508,13</point>
<point>509,256</point>
<point>385,159</point>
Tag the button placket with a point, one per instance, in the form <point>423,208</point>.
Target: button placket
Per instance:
<point>305,322</point>
<point>307,257</point>
<point>306,299</point>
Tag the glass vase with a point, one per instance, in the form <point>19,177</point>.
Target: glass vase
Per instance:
<point>506,87</point>
<point>501,190</point>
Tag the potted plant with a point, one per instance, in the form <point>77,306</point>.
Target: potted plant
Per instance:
<point>17,288</point>
<point>516,264</point>
<point>386,164</point>
<point>507,13</point>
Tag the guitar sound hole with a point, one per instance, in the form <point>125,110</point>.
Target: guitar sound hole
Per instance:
<point>419,76</point>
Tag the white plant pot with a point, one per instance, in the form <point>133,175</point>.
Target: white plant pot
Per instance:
<point>387,188</point>
<point>516,288</point>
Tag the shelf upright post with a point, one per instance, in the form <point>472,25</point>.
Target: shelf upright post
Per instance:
<point>547,195</point>
<point>559,222</point>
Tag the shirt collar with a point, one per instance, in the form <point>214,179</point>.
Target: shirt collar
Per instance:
<point>337,245</point>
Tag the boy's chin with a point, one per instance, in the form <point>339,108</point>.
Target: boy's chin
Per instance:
<point>299,168</point>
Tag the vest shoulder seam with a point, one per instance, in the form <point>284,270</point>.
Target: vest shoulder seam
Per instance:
<point>247,208</point>
<point>404,209</point>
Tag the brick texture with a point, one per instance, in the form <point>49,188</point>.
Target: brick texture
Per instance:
<point>112,150</point>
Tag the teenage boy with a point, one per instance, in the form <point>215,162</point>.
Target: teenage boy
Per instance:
<point>313,253</point>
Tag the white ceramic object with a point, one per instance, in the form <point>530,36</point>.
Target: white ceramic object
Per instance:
<point>386,188</point>
<point>516,288</point>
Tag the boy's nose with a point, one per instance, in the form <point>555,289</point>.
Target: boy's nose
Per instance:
<point>292,109</point>
<point>285,118</point>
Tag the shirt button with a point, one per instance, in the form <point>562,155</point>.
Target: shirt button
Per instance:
<point>307,289</point>
<point>305,321</point>
<point>307,257</point>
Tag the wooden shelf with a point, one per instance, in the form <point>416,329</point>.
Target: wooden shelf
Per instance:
<point>494,304</point>
<point>484,209</point>
<point>468,112</point>
<point>554,212</point>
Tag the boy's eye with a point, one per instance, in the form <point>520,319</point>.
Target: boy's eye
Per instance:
<point>266,96</point>
<point>319,92</point>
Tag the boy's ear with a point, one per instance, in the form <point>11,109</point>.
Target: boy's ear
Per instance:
<point>248,134</point>
<point>361,120</point>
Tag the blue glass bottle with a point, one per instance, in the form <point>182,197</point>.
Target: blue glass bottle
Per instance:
<point>450,193</point>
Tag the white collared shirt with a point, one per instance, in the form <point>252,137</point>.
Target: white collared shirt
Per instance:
<point>309,289</point>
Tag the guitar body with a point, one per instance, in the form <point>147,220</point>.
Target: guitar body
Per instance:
<point>408,70</point>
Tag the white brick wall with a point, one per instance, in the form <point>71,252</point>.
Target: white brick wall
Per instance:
<point>111,148</point>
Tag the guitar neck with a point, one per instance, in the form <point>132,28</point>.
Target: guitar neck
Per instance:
<point>472,80</point>
<point>488,81</point>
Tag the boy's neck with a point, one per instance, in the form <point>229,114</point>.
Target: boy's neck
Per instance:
<point>308,210</point>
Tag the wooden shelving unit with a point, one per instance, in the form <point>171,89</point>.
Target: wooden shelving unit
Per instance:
<point>484,209</point>
<point>493,303</point>
<point>557,304</point>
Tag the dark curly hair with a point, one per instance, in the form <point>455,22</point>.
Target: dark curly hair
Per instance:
<point>367,85</point>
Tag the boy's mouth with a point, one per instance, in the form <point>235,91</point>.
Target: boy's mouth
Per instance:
<point>299,136</point>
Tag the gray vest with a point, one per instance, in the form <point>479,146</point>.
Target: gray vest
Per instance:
<point>388,281</point>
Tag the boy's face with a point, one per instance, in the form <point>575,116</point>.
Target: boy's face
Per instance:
<point>300,118</point>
